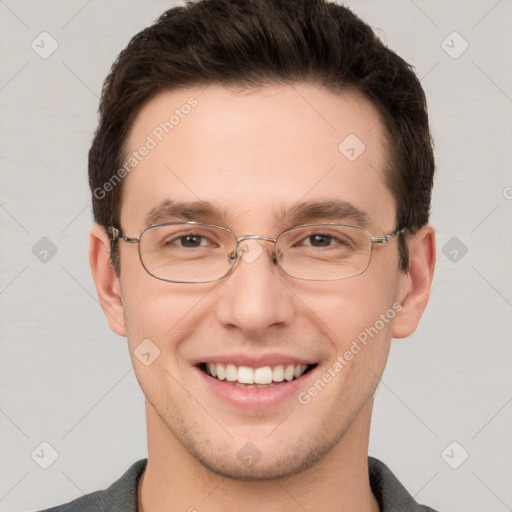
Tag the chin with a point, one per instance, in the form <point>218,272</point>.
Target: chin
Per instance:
<point>263,467</point>
<point>261,460</point>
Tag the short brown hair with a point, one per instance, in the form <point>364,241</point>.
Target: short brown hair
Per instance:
<point>252,43</point>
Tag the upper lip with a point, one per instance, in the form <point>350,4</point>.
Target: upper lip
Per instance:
<point>255,361</point>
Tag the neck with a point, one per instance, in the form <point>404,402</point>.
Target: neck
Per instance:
<point>174,480</point>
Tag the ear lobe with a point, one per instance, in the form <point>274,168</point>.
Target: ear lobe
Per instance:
<point>416,282</point>
<point>105,279</point>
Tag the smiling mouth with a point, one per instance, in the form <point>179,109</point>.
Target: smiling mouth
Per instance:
<point>263,377</point>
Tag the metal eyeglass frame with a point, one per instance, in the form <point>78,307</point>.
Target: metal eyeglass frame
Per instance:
<point>117,235</point>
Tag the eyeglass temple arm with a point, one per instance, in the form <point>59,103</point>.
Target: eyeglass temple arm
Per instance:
<point>386,238</point>
<point>117,235</point>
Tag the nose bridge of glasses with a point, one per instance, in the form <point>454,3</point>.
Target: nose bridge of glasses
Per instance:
<point>255,237</point>
<point>250,253</point>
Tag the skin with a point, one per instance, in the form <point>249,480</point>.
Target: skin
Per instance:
<point>251,152</point>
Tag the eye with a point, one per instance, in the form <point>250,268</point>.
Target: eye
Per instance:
<point>190,241</point>
<point>324,240</point>
<point>319,240</point>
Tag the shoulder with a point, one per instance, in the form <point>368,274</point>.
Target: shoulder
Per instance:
<point>391,495</point>
<point>121,496</point>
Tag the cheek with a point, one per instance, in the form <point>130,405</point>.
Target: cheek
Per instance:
<point>148,306</point>
<point>165,313</point>
<point>363,326</point>
<point>351,307</point>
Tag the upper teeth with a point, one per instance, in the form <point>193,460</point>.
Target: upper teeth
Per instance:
<point>262,375</point>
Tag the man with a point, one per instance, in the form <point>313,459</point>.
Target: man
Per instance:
<point>261,180</point>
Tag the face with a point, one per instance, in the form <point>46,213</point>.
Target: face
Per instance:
<point>252,156</point>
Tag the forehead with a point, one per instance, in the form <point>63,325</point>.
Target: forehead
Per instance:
<point>252,153</point>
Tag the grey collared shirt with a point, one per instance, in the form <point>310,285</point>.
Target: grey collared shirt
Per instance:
<point>121,496</point>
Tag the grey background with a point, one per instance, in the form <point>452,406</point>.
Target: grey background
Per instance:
<point>67,380</point>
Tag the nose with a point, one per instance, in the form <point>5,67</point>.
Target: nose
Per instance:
<point>254,298</point>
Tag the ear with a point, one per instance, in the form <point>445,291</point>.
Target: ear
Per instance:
<point>106,281</point>
<point>416,282</point>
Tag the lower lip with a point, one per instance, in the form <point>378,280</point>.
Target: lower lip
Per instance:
<point>250,398</point>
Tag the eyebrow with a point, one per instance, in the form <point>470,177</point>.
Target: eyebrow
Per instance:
<point>181,210</point>
<point>333,210</point>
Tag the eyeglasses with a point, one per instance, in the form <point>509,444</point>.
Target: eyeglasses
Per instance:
<point>192,252</point>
